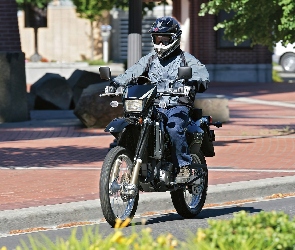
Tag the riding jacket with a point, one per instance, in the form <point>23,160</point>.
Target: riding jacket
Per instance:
<point>163,71</point>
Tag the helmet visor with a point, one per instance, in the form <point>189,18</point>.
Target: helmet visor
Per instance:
<point>162,39</point>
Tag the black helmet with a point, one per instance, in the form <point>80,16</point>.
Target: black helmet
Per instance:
<point>168,28</point>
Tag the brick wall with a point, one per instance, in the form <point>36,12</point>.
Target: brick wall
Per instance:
<point>9,32</point>
<point>203,43</point>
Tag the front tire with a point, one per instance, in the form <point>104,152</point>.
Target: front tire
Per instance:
<point>190,200</point>
<point>114,204</point>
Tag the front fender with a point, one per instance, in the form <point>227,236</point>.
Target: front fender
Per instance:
<point>117,125</point>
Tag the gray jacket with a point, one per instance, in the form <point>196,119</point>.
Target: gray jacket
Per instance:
<point>162,72</point>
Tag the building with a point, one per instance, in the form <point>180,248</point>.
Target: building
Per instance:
<point>67,39</point>
<point>224,61</point>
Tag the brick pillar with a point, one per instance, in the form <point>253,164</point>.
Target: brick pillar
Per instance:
<point>176,11</point>
<point>13,95</point>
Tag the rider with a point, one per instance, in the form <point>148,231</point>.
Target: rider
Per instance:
<point>161,66</point>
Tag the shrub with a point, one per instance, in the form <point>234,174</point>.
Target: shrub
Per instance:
<point>265,230</point>
<point>261,231</point>
<point>276,77</point>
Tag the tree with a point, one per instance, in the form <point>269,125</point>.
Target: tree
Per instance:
<point>264,22</point>
<point>38,3</point>
<point>93,10</point>
<point>123,4</point>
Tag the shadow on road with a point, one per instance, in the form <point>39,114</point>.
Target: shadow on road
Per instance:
<point>215,212</point>
<point>205,214</point>
<point>50,156</point>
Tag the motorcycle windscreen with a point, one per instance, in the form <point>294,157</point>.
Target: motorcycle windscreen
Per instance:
<point>140,91</point>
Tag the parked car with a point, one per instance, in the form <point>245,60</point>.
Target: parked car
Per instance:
<point>285,56</point>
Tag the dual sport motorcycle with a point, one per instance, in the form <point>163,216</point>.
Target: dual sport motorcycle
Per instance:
<point>140,160</point>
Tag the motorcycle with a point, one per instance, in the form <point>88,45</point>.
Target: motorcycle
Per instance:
<point>140,160</point>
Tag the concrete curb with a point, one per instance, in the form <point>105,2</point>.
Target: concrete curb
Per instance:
<point>52,215</point>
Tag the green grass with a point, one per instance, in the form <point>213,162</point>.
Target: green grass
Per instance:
<point>275,75</point>
<point>96,62</point>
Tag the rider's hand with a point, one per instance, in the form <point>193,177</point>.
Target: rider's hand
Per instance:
<point>114,84</point>
<point>112,87</point>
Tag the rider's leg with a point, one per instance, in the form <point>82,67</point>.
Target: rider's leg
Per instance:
<point>178,118</point>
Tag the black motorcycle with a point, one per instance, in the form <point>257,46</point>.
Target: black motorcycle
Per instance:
<point>141,161</point>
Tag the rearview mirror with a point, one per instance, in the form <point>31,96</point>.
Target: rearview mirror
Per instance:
<point>105,73</point>
<point>185,73</point>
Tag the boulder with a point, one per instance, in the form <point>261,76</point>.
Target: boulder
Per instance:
<point>52,91</point>
<point>212,105</point>
<point>81,79</point>
<point>95,111</point>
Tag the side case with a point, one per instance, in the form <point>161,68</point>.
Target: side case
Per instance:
<point>207,144</point>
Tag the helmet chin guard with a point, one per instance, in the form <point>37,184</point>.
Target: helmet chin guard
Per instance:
<point>164,51</point>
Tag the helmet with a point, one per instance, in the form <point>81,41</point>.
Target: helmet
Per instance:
<point>166,34</point>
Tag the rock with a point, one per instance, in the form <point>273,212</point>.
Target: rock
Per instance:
<point>81,79</point>
<point>215,106</point>
<point>94,111</point>
<point>52,91</point>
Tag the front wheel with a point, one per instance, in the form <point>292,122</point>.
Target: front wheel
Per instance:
<point>114,178</point>
<point>190,200</point>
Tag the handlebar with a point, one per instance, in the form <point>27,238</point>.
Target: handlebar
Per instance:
<point>181,91</point>
<point>112,91</point>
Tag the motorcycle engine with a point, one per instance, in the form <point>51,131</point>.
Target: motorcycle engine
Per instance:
<point>166,172</point>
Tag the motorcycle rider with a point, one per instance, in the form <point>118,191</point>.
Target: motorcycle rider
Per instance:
<point>161,66</point>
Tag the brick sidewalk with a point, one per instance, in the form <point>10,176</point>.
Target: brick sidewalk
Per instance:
<point>51,165</point>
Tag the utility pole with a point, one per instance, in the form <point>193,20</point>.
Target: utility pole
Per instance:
<point>134,32</point>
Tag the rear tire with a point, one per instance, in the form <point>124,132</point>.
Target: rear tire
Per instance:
<point>190,200</point>
<point>114,204</point>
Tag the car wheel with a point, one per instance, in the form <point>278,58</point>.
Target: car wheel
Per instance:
<point>288,62</point>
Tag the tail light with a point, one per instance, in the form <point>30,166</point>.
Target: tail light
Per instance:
<point>210,119</point>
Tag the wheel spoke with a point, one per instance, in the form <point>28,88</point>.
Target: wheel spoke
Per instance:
<point>121,204</point>
<point>193,193</point>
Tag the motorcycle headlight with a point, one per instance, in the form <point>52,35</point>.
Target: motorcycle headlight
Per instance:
<point>133,105</point>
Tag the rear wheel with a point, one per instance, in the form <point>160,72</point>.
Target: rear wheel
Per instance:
<point>115,177</point>
<point>190,200</point>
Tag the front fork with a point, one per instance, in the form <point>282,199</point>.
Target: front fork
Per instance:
<point>140,149</point>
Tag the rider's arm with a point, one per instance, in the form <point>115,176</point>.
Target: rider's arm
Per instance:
<point>134,71</point>
<point>200,75</point>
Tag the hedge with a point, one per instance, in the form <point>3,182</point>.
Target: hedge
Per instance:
<point>264,230</point>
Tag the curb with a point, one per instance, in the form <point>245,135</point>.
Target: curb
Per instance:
<point>51,216</point>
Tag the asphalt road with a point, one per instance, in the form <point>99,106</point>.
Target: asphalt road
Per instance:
<point>164,223</point>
